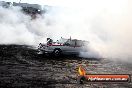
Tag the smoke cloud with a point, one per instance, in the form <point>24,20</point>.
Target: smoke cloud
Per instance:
<point>105,24</point>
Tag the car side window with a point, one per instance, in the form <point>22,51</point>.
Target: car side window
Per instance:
<point>67,43</point>
<point>79,43</point>
<point>72,43</point>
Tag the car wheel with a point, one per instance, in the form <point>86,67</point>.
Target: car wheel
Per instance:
<point>57,52</point>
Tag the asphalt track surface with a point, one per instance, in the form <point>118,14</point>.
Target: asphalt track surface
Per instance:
<point>20,66</point>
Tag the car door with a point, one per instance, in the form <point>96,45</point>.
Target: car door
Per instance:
<point>78,46</point>
<point>69,47</point>
<point>72,46</point>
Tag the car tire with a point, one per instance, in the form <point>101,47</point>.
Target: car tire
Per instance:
<point>57,52</point>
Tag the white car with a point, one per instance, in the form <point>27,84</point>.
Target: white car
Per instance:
<point>63,46</point>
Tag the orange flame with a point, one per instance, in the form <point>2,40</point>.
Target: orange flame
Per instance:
<point>81,71</point>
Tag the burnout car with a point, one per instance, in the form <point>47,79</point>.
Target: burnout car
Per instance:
<point>63,46</point>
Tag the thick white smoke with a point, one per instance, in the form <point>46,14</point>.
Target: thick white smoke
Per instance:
<point>19,28</point>
<point>14,27</point>
<point>106,24</point>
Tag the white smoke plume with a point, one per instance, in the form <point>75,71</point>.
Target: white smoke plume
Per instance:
<point>106,24</point>
<point>14,29</point>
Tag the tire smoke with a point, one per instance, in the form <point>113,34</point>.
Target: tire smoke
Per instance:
<point>105,24</point>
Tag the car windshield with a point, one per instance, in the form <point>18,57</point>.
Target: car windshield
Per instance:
<point>62,40</point>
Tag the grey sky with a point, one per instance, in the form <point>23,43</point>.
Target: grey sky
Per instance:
<point>63,3</point>
<point>43,2</point>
